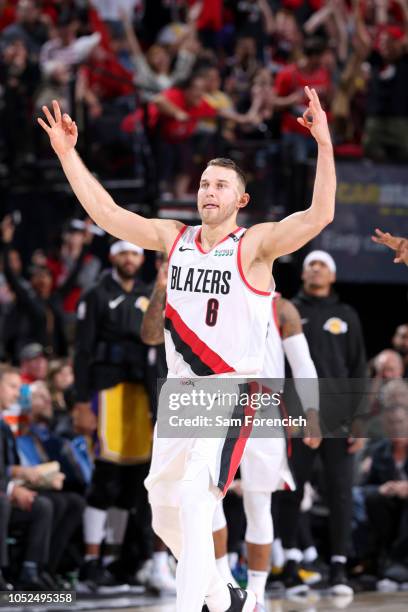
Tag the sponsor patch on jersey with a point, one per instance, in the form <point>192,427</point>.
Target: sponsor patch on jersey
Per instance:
<point>142,303</point>
<point>223,252</point>
<point>335,326</point>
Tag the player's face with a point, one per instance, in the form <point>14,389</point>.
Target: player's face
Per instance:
<point>127,264</point>
<point>220,195</point>
<point>316,275</point>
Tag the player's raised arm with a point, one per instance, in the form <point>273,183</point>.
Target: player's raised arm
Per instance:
<point>290,234</point>
<point>155,234</point>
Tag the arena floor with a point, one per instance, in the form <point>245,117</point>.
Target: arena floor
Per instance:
<point>364,602</point>
<point>132,602</point>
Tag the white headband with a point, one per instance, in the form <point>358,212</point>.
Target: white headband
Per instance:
<point>121,245</point>
<point>320,256</point>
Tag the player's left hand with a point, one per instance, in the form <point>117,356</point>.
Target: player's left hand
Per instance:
<point>396,243</point>
<point>315,120</point>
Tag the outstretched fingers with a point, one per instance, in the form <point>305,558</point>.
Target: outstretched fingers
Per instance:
<point>378,236</point>
<point>315,99</point>
<point>314,102</point>
<point>44,125</point>
<point>57,111</point>
<point>49,116</point>
<point>381,237</point>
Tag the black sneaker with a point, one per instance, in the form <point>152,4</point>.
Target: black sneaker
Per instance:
<point>338,582</point>
<point>95,576</point>
<point>241,600</point>
<point>293,583</point>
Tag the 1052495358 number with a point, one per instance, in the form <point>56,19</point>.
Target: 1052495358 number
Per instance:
<point>27,598</point>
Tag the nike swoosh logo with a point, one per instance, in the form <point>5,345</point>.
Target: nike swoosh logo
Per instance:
<point>115,303</point>
<point>185,249</point>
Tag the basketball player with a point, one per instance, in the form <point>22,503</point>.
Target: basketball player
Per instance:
<point>264,466</point>
<point>399,245</point>
<point>216,321</point>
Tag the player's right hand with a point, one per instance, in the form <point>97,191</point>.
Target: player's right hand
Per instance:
<point>84,419</point>
<point>62,131</point>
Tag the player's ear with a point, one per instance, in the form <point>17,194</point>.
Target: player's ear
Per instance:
<point>244,200</point>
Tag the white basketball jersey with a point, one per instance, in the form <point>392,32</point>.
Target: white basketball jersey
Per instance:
<point>215,322</point>
<point>274,361</point>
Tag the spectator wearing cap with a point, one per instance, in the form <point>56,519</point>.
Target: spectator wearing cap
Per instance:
<point>33,363</point>
<point>111,398</point>
<point>334,335</point>
<point>36,315</point>
<point>74,247</point>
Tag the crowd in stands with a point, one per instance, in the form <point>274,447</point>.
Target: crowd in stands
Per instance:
<point>167,84</point>
<point>145,79</point>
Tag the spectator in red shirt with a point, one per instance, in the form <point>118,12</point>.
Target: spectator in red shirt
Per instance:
<point>290,83</point>
<point>180,109</point>
<point>103,79</point>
